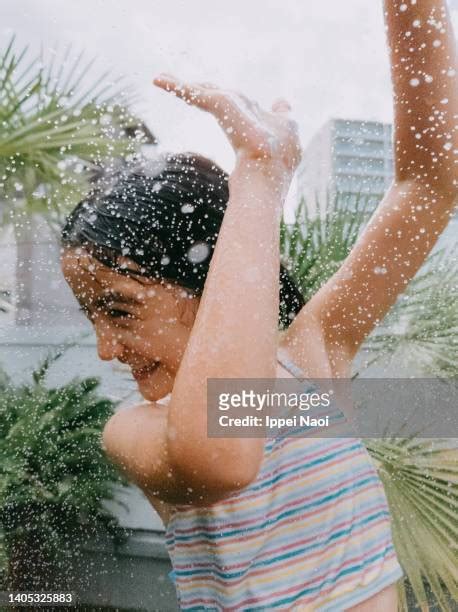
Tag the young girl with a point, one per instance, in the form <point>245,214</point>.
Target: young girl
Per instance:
<point>276,523</point>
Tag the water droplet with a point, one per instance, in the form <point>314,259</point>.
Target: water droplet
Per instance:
<point>448,146</point>
<point>380,270</point>
<point>198,252</point>
<point>105,119</point>
<point>437,43</point>
<point>416,23</point>
<point>444,101</point>
<point>165,260</point>
<point>40,192</point>
<point>403,8</point>
<point>187,208</point>
<point>414,82</point>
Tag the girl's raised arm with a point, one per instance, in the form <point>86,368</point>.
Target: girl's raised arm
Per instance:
<point>424,73</point>
<point>418,205</point>
<point>235,333</point>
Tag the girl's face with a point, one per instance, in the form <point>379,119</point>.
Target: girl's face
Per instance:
<point>141,322</point>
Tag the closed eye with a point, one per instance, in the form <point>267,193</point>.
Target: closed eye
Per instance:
<point>115,313</point>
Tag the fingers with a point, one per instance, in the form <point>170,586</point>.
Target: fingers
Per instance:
<point>174,85</point>
<point>229,108</point>
<point>281,106</point>
<point>199,94</point>
<point>192,93</point>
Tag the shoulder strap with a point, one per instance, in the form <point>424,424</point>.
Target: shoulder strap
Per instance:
<point>289,365</point>
<point>336,415</point>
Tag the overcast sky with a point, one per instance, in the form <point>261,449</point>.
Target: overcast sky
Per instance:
<point>327,57</point>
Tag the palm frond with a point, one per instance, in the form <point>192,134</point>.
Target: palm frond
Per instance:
<point>313,247</point>
<point>426,320</point>
<point>421,484</point>
<point>58,124</point>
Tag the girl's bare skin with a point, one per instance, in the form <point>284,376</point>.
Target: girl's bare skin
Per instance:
<point>231,331</point>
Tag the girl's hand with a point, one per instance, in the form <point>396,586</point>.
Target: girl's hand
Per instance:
<point>255,134</point>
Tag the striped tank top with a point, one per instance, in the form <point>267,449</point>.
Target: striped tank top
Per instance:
<point>311,532</point>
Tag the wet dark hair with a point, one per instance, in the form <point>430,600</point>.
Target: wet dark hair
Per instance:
<point>165,216</point>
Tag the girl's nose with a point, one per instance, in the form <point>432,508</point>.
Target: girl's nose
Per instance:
<point>108,345</point>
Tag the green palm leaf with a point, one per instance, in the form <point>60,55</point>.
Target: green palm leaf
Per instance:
<point>427,315</point>
<point>56,126</point>
<point>314,247</point>
<point>421,483</point>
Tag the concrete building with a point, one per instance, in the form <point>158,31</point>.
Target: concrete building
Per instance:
<point>351,159</point>
<point>346,157</point>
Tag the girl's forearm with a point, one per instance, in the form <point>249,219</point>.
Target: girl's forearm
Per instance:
<point>424,74</point>
<point>235,332</point>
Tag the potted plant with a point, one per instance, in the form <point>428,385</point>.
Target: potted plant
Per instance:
<point>54,477</point>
